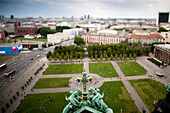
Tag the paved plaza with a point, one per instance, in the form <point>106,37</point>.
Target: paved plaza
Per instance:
<point>96,83</point>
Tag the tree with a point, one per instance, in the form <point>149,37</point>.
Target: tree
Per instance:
<point>81,55</point>
<point>62,55</point>
<point>104,53</point>
<point>65,57</point>
<point>106,56</point>
<point>125,56</point>
<point>116,56</point>
<point>146,51</point>
<point>48,54</point>
<point>50,58</point>
<point>71,57</point>
<point>78,26</point>
<point>76,55</point>
<point>53,54</point>
<point>79,41</point>
<point>45,30</point>
<point>130,56</point>
<point>96,57</point>
<point>120,56</point>
<point>71,54</point>
<point>57,55</point>
<point>109,51</point>
<point>134,56</point>
<point>111,57</point>
<point>101,56</point>
<point>91,57</point>
<point>55,58</point>
<point>87,29</point>
<point>162,29</point>
<point>60,28</point>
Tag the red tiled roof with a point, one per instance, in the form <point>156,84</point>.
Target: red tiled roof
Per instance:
<point>146,36</point>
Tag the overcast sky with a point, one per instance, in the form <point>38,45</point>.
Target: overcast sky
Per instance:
<point>77,8</point>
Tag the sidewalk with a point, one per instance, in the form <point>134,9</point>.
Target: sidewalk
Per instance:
<point>86,66</point>
<point>9,93</point>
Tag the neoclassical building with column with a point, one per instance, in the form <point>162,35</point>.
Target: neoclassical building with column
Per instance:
<point>162,52</point>
<point>105,37</point>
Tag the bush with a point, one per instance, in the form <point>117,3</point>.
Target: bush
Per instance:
<point>154,61</point>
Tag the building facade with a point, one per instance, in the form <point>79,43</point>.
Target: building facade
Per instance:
<point>2,35</point>
<point>162,52</point>
<point>65,35</point>
<point>163,17</point>
<point>2,18</point>
<point>21,30</point>
<point>145,38</point>
<point>102,39</point>
<point>166,36</point>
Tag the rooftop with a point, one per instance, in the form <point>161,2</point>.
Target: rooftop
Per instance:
<point>146,35</point>
<point>64,24</point>
<point>163,46</point>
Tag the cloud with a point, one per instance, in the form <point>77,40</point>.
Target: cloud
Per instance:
<point>77,8</point>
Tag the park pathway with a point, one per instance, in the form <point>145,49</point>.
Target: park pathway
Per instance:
<point>86,66</point>
<point>126,78</point>
<point>60,75</point>
<point>51,90</point>
<point>138,101</point>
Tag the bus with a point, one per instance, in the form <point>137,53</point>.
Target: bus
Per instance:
<point>3,66</point>
<point>7,74</point>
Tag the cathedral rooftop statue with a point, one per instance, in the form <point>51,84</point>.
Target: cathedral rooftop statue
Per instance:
<point>90,101</point>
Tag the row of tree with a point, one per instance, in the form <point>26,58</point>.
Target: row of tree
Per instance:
<point>112,50</point>
<point>113,57</point>
<point>66,52</point>
<point>97,51</point>
<point>69,49</point>
<point>65,57</point>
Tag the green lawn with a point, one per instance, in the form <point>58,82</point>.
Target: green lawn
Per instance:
<point>64,69</point>
<point>33,103</point>
<point>131,68</point>
<point>117,97</point>
<point>103,69</point>
<point>52,82</point>
<point>34,39</point>
<point>149,90</point>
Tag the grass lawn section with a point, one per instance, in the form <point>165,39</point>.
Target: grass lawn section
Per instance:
<point>34,39</point>
<point>117,97</point>
<point>64,69</point>
<point>52,82</point>
<point>33,102</point>
<point>131,68</point>
<point>149,91</point>
<point>103,69</point>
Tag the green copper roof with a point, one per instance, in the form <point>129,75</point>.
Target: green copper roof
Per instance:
<point>64,24</point>
<point>142,33</point>
<point>87,108</point>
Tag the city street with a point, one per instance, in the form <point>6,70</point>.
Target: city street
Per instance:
<point>22,62</point>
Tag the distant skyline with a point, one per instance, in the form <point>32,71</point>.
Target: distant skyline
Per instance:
<point>78,8</point>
